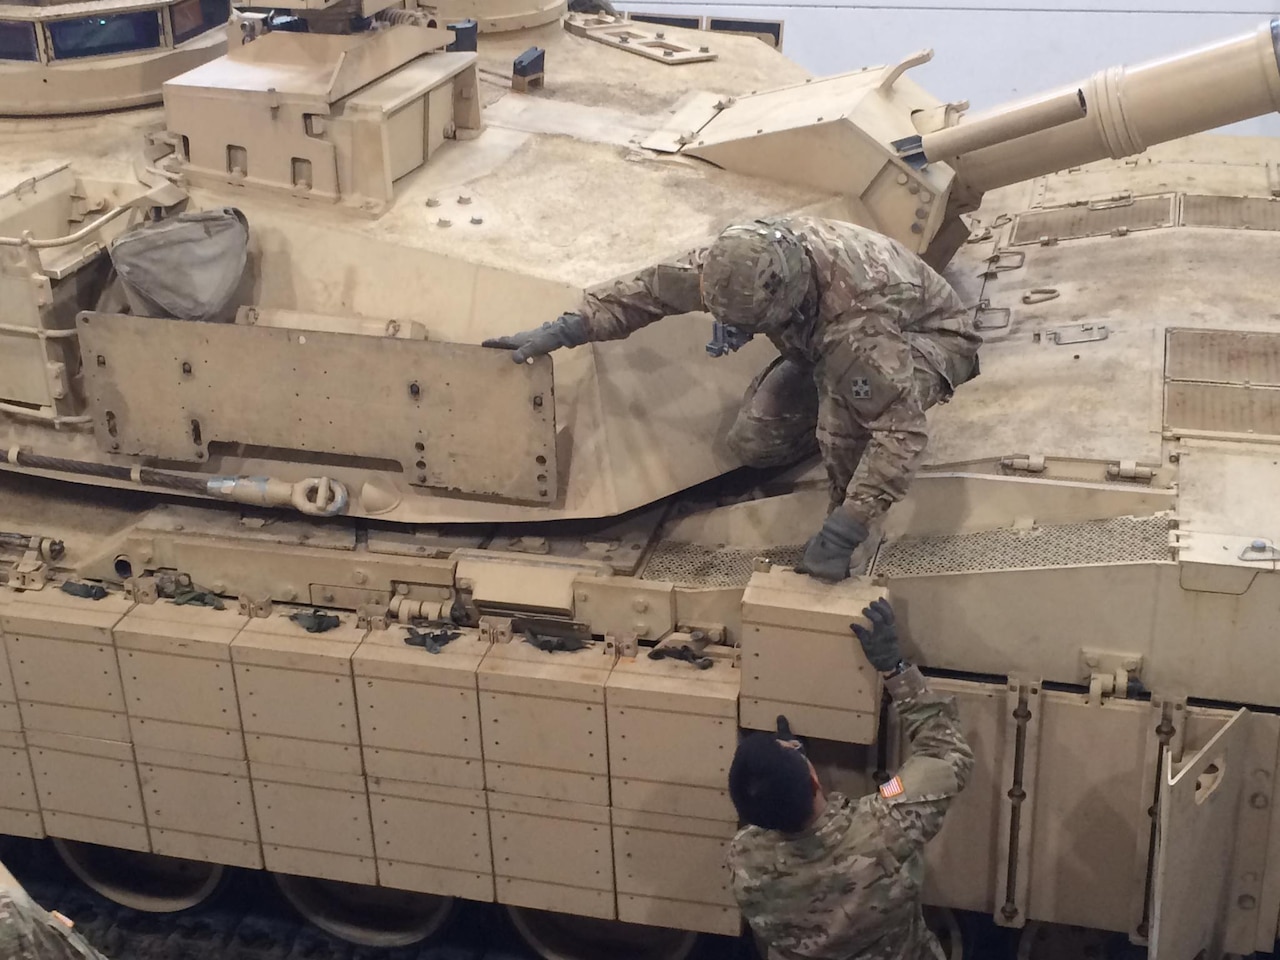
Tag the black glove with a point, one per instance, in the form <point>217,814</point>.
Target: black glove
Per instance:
<point>826,555</point>
<point>880,641</point>
<point>568,330</point>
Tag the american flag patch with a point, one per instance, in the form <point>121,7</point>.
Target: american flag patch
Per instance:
<point>891,788</point>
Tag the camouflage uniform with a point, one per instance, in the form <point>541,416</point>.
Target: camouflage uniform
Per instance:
<point>28,932</point>
<point>849,886</point>
<point>879,339</point>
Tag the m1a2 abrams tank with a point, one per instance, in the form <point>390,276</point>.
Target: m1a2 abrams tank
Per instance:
<point>329,590</point>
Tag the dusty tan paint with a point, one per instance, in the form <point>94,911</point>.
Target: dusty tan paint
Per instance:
<point>1042,441</point>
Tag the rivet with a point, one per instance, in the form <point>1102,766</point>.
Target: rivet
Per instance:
<point>360,577</point>
<point>640,605</point>
<point>913,188</point>
<point>668,53</point>
<point>903,179</point>
<point>442,222</point>
<point>582,597</point>
<point>464,199</point>
<point>916,228</point>
<point>1258,546</point>
<point>921,213</point>
<point>477,220</point>
<point>925,196</point>
<point>707,50</point>
<point>660,35</point>
<point>402,589</point>
<point>433,201</point>
<point>327,597</point>
<point>1259,801</point>
<point>1246,901</point>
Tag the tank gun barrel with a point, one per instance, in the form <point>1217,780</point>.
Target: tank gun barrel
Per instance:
<point>1123,111</point>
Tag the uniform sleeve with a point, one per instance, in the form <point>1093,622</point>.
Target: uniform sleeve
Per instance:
<point>940,764</point>
<point>618,309</point>
<point>868,397</point>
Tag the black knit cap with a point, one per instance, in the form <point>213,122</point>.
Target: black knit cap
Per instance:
<point>770,784</point>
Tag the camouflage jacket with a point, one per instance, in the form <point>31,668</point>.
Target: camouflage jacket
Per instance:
<point>28,932</point>
<point>875,314</point>
<point>849,886</point>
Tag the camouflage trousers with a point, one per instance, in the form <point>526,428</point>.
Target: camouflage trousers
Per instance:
<point>777,423</point>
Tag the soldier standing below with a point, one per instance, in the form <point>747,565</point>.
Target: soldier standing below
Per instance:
<point>824,877</point>
<point>869,337</point>
<point>28,932</point>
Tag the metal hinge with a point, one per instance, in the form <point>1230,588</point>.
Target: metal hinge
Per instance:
<point>1110,674</point>
<point>1130,470</point>
<point>1030,464</point>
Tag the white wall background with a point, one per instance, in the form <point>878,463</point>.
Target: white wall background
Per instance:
<point>988,53</point>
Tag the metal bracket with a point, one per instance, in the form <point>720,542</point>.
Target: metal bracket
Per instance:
<point>373,617</point>
<point>31,572</point>
<point>892,75</point>
<point>1022,721</point>
<point>1081,333</point>
<point>495,629</point>
<point>256,608</point>
<point>142,589</point>
<point>623,645</point>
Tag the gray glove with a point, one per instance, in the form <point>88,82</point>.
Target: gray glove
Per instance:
<point>826,555</point>
<point>880,641</point>
<point>568,330</point>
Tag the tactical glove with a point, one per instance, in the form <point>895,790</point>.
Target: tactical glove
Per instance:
<point>826,555</point>
<point>568,330</point>
<point>880,640</point>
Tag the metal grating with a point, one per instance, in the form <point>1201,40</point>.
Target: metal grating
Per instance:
<point>1223,356</point>
<point>1192,409</point>
<point>1121,540</point>
<point>1232,213</point>
<point>1094,220</point>
<point>694,563</point>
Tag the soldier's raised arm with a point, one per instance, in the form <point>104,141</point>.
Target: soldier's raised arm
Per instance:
<point>916,800</point>
<point>615,310</point>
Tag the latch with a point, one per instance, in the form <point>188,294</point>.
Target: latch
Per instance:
<point>1110,674</point>
<point>34,567</point>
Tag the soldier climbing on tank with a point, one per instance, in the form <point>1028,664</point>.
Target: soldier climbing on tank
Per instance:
<point>869,338</point>
<point>819,875</point>
<point>28,932</point>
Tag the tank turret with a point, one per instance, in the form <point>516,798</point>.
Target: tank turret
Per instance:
<point>339,129</point>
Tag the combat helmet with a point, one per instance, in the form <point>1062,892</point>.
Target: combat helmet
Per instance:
<point>755,276</point>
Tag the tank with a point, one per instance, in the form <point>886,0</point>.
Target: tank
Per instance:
<point>321,587</point>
